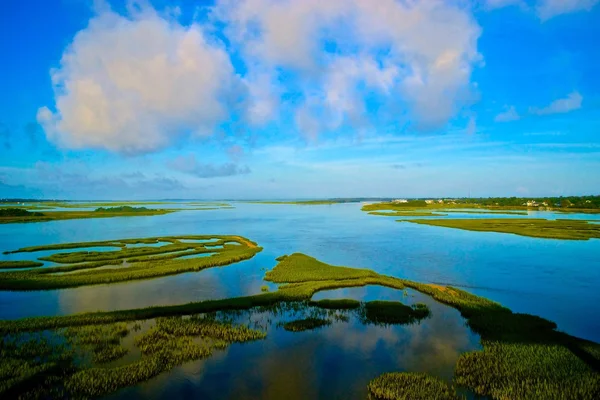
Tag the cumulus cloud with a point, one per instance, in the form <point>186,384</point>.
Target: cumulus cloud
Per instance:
<point>560,106</point>
<point>547,9</point>
<point>131,83</point>
<point>190,165</point>
<point>418,53</point>
<point>510,114</point>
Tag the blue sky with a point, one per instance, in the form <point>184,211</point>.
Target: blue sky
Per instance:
<point>299,99</point>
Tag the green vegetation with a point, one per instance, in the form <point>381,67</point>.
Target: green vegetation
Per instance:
<point>568,203</point>
<point>96,204</point>
<point>410,386</point>
<point>122,209</point>
<point>30,364</point>
<point>487,212</point>
<point>394,312</point>
<point>523,355</point>
<point>17,212</point>
<point>264,288</point>
<point>305,324</point>
<point>527,371</point>
<point>61,215</point>
<point>541,228</point>
<point>577,204</point>
<point>302,268</point>
<point>408,214</point>
<point>44,368</point>
<point>299,203</point>
<point>140,263</point>
<point>20,264</point>
<point>101,341</point>
<point>338,304</point>
<point>412,204</point>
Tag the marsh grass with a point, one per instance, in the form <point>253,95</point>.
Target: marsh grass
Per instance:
<point>103,342</point>
<point>409,386</point>
<point>523,355</point>
<point>171,342</point>
<point>20,264</point>
<point>121,209</point>
<point>36,367</point>
<point>141,264</point>
<point>62,215</point>
<point>306,324</point>
<point>18,212</point>
<point>299,267</point>
<point>415,213</point>
<point>31,363</point>
<point>527,371</point>
<point>540,228</point>
<point>394,312</point>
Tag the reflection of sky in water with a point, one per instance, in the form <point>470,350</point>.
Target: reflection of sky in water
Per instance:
<point>332,362</point>
<point>551,278</point>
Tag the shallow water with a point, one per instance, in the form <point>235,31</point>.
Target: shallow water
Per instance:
<point>335,361</point>
<point>555,279</point>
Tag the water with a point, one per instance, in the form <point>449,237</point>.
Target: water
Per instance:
<point>555,279</point>
<point>335,361</point>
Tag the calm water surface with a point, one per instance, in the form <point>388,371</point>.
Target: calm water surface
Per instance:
<point>555,279</point>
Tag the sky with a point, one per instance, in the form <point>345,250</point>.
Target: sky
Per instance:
<point>283,99</point>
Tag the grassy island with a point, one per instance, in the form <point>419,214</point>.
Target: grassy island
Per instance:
<point>420,208</point>
<point>15,215</point>
<point>410,386</point>
<point>20,264</point>
<point>127,263</point>
<point>541,228</point>
<point>523,356</point>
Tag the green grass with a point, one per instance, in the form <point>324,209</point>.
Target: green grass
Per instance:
<point>302,268</point>
<point>411,205</point>
<point>102,342</point>
<point>62,215</point>
<point>299,202</point>
<point>20,264</point>
<point>523,356</point>
<point>45,368</point>
<point>419,208</point>
<point>142,264</point>
<point>122,209</point>
<point>527,371</point>
<point>17,213</point>
<point>394,312</point>
<point>306,324</point>
<point>487,212</point>
<point>415,213</point>
<point>540,228</point>
<point>410,386</point>
<point>171,342</point>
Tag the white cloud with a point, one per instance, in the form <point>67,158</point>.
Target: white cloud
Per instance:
<point>419,54</point>
<point>510,114</point>
<point>560,106</point>
<point>547,9</point>
<point>130,83</point>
